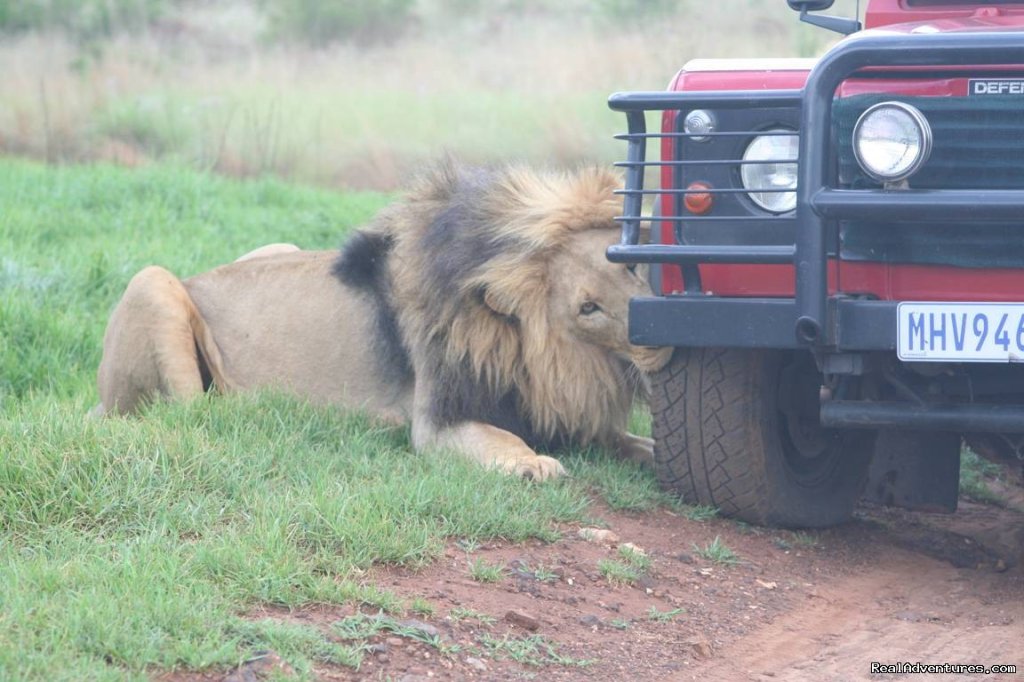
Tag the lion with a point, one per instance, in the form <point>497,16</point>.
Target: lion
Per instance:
<point>479,308</point>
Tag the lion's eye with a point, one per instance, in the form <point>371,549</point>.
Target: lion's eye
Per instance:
<point>589,308</point>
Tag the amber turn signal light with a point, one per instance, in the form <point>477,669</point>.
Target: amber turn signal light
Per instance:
<point>699,200</point>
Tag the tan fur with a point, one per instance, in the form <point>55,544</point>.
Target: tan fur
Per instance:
<point>269,250</point>
<point>279,321</point>
<point>151,343</point>
<point>279,318</point>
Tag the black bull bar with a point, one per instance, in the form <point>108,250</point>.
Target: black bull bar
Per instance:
<point>812,319</point>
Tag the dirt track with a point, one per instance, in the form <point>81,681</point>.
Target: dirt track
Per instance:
<point>905,608</point>
<point>890,587</point>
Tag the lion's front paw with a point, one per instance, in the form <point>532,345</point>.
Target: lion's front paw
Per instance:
<point>536,468</point>
<point>637,449</point>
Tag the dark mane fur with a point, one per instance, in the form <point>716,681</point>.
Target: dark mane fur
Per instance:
<point>432,259</point>
<point>362,265</point>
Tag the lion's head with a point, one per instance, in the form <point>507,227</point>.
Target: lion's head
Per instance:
<point>503,293</point>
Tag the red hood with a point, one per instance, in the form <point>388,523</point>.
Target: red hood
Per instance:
<point>889,16</point>
<point>969,25</point>
<point>767,74</point>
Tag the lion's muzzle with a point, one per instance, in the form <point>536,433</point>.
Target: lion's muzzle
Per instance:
<point>650,358</point>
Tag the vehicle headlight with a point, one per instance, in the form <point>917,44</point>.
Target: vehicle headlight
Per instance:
<point>891,141</point>
<point>771,183</point>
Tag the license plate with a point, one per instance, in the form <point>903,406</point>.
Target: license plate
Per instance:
<point>960,332</point>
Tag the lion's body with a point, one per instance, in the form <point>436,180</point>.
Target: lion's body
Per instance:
<point>305,332</point>
<point>458,309</point>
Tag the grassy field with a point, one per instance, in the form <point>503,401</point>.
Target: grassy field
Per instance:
<point>134,545</point>
<point>523,79</point>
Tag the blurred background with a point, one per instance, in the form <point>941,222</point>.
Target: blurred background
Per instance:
<point>353,93</point>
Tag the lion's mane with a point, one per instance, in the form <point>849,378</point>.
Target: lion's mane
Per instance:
<point>461,272</point>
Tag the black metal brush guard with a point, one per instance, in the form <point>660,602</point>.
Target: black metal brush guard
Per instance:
<point>811,319</point>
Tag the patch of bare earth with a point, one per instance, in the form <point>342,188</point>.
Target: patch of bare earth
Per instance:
<point>890,586</point>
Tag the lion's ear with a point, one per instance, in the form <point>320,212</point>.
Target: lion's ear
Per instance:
<point>502,305</point>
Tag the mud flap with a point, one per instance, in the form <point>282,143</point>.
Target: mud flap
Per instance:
<point>917,470</point>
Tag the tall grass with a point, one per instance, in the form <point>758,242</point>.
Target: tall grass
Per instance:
<point>202,87</point>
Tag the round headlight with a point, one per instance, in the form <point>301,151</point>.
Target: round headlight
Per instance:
<point>891,141</point>
<point>771,182</point>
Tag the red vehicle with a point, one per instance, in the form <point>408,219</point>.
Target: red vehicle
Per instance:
<point>837,252</point>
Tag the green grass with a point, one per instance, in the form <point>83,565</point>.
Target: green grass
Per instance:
<point>630,565</point>
<point>624,486</point>
<point>360,627</point>
<point>635,558</point>
<point>541,572</point>
<point>804,539</point>
<point>534,650</point>
<point>975,472</point>
<point>461,613</point>
<point>618,572</point>
<point>296,642</point>
<point>653,614</point>
<point>717,551</point>
<point>484,572</point>
<point>129,546</point>
<point>421,607</point>
<point>698,512</point>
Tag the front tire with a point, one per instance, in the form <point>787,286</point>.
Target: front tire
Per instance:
<point>738,429</point>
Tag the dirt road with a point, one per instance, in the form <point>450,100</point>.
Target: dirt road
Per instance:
<point>906,608</point>
<point>889,587</point>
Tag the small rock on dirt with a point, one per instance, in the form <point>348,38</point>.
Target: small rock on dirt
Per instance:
<point>630,547</point>
<point>523,620</point>
<point>908,616</point>
<point>476,664</point>
<point>394,641</point>
<point>700,647</point>
<point>263,666</point>
<point>591,621</point>
<point>646,582</point>
<point>418,625</point>
<point>600,535</point>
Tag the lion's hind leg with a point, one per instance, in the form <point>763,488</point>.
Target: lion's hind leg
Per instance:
<point>152,343</point>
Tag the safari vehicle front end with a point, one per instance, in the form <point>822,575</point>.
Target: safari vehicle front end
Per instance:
<point>839,251</point>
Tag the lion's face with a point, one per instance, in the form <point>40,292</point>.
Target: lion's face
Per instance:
<point>590,297</point>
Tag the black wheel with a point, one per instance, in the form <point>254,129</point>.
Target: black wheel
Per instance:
<point>739,430</point>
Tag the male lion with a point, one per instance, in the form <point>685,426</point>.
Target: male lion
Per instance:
<point>480,307</point>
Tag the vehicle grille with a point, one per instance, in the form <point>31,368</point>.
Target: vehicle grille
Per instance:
<point>978,142</point>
